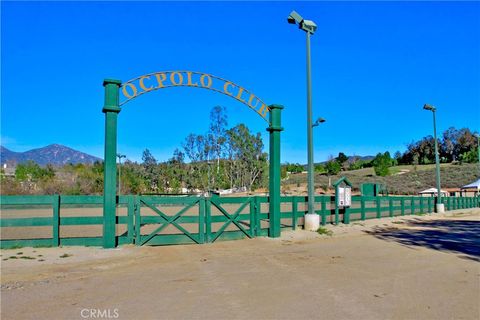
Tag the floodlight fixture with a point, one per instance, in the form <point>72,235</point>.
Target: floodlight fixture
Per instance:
<point>294,18</point>
<point>429,107</point>
<point>306,25</point>
<point>318,121</point>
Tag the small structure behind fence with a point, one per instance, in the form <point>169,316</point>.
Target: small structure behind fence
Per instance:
<point>158,220</point>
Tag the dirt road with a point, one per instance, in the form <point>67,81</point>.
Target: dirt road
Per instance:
<point>420,267</point>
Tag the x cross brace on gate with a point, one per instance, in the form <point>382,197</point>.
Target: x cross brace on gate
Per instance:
<point>169,220</point>
<point>231,219</point>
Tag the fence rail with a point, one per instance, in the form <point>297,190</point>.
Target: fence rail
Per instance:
<point>77,220</point>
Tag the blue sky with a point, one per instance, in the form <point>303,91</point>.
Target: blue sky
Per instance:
<point>374,65</point>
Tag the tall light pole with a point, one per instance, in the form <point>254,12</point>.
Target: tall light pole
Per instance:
<point>439,206</point>
<point>478,147</point>
<point>312,220</point>
<point>120,156</point>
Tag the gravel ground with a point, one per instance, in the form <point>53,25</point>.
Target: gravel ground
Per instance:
<point>415,267</point>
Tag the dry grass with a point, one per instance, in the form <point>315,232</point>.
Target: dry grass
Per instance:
<point>412,179</point>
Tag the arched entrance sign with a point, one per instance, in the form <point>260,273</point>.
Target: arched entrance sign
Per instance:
<point>167,79</point>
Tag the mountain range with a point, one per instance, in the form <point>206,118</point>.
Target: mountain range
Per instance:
<point>54,154</point>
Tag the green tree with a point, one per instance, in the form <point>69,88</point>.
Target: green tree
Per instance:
<point>319,168</point>
<point>381,164</point>
<point>342,158</point>
<point>217,133</point>
<point>332,167</point>
<point>248,162</point>
<point>294,167</point>
<point>133,178</point>
<point>470,156</point>
<point>151,172</point>
<point>398,157</point>
<point>32,176</point>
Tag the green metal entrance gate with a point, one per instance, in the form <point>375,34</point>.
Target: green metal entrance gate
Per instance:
<point>150,82</point>
<point>164,221</point>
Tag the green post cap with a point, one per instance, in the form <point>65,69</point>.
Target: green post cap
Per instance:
<point>112,81</point>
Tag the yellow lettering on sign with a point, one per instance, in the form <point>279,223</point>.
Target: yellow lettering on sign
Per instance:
<point>142,84</point>
<point>225,88</point>
<point>252,96</point>
<point>189,80</point>
<point>239,94</point>
<point>202,81</point>
<point>180,78</point>
<point>128,95</point>
<point>263,110</point>
<point>160,78</point>
<point>165,79</point>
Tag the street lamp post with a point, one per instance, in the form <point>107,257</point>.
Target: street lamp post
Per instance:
<point>312,220</point>
<point>478,147</point>
<point>439,206</point>
<point>120,156</point>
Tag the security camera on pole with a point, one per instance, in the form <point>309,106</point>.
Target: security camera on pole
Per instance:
<point>312,220</point>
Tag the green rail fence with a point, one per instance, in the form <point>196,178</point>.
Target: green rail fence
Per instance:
<point>158,220</point>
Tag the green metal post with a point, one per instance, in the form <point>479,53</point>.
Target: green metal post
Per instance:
<point>362,207</point>
<point>478,149</point>
<point>337,210</point>
<point>294,212</point>
<point>258,211</point>
<point>131,218</point>
<point>201,220</point>
<point>252,217</point>
<point>56,221</point>
<point>379,207</point>
<point>402,206</point>
<point>346,215</point>
<point>310,169</point>
<point>437,160</point>
<point>111,110</point>
<point>138,221</point>
<point>324,210</point>
<point>208,220</point>
<point>274,169</point>
<point>390,206</point>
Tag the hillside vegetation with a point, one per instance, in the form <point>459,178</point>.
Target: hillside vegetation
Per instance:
<point>407,179</point>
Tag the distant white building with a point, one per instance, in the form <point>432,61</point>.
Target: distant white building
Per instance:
<point>8,170</point>
<point>472,188</point>
<point>432,192</point>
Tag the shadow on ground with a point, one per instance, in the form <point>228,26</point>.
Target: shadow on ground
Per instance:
<point>461,237</point>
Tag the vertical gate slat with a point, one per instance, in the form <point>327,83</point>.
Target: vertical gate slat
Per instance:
<point>201,220</point>
<point>208,220</point>
<point>138,221</point>
<point>56,221</point>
